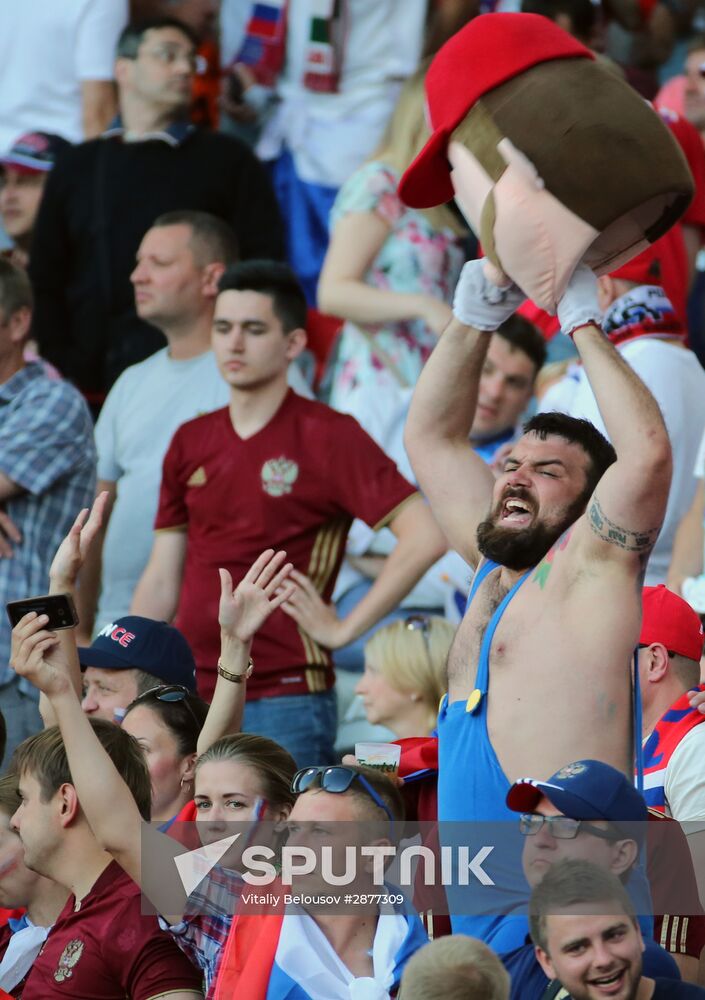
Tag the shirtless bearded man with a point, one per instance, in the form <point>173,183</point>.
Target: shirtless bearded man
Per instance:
<point>559,543</point>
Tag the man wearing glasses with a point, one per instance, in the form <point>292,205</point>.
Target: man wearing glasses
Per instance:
<point>589,811</point>
<point>96,210</point>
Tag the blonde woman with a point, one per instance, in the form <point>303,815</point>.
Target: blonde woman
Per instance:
<point>390,270</point>
<point>405,674</point>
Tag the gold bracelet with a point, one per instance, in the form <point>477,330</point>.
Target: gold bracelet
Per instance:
<point>236,678</point>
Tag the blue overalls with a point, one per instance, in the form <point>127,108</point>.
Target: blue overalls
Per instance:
<point>472,784</point>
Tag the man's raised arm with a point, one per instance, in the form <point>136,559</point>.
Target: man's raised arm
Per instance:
<point>457,482</point>
<point>626,511</point>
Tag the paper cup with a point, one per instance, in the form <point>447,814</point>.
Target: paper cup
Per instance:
<point>382,756</point>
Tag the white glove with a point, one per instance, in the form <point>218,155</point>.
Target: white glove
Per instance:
<point>480,303</point>
<point>579,307</point>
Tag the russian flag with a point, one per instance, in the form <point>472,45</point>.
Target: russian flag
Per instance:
<point>266,18</point>
<point>249,969</point>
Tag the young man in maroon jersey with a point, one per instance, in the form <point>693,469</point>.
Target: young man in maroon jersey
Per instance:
<point>275,470</point>
<point>101,945</point>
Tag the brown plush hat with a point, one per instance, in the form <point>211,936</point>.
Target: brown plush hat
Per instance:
<point>487,52</point>
<point>555,159</point>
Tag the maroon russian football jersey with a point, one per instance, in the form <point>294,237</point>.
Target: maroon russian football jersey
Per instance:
<point>106,948</point>
<point>295,485</point>
<point>679,920</point>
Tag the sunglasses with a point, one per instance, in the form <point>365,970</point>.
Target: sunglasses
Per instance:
<point>336,779</point>
<point>171,694</point>
<point>561,827</point>
<point>422,624</point>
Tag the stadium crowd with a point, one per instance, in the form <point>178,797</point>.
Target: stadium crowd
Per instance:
<point>289,474</point>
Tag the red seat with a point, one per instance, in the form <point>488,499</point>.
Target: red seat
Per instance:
<point>322,331</point>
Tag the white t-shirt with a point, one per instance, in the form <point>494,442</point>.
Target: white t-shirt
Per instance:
<point>47,49</point>
<point>329,135</point>
<point>685,778</point>
<point>677,382</point>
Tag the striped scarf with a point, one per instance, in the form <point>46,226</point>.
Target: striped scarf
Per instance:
<point>263,49</point>
<point>661,744</point>
<point>644,311</point>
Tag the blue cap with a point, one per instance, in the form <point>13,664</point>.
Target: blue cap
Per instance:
<point>142,643</point>
<point>586,789</point>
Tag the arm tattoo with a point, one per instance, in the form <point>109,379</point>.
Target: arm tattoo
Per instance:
<point>608,531</point>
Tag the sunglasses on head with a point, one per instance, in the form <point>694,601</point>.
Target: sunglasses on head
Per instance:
<point>561,827</point>
<point>171,694</point>
<point>335,779</point>
<point>422,624</point>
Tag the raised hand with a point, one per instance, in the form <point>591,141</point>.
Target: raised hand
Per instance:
<point>264,588</point>
<point>37,655</point>
<point>312,613</point>
<point>481,304</point>
<point>70,554</point>
<point>579,305</point>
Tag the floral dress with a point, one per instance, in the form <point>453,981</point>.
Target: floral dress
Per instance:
<point>414,258</point>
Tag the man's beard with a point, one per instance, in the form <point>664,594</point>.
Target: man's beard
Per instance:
<point>523,548</point>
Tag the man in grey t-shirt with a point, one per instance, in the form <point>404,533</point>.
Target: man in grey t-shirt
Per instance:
<point>178,265</point>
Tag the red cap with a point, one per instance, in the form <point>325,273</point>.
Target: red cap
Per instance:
<point>487,52</point>
<point>645,268</point>
<point>670,620</point>
<point>34,152</point>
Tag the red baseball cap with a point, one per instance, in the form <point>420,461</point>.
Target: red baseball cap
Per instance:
<point>645,268</point>
<point>490,50</point>
<point>670,620</point>
<point>34,152</point>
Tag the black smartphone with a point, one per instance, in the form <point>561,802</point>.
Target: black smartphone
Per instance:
<point>59,607</point>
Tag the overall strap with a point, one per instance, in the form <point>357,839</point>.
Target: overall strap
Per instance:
<point>480,573</point>
<point>638,722</point>
<point>483,667</point>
